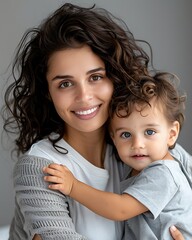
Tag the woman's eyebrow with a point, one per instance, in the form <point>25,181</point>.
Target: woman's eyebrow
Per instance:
<point>69,76</point>
<point>61,77</point>
<point>95,70</point>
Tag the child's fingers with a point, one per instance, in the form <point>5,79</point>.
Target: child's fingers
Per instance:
<point>53,179</point>
<point>55,166</point>
<point>51,171</point>
<point>54,169</point>
<point>58,187</point>
<point>57,183</point>
<point>59,177</point>
<point>55,186</point>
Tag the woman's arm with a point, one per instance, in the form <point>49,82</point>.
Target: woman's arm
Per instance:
<point>109,205</point>
<point>42,213</point>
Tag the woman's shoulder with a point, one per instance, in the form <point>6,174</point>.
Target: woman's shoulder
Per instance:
<point>41,148</point>
<point>30,165</point>
<point>32,160</point>
<point>28,172</point>
<point>44,149</point>
<point>39,155</point>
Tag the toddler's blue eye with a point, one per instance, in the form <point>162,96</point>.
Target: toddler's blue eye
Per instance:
<point>150,132</point>
<point>125,135</point>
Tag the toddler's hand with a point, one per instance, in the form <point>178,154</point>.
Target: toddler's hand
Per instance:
<point>60,177</point>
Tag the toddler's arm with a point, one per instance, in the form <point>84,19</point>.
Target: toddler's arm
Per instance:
<point>109,205</point>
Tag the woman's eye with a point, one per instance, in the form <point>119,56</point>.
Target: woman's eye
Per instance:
<point>65,84</point>
<point>125,135</point>
<point>150,132</point>
<point>96,77</point>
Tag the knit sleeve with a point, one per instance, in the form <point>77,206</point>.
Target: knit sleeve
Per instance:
<point>38,209</point>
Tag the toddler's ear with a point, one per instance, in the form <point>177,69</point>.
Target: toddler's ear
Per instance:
<point>112,136</point>
<point>174,133</point>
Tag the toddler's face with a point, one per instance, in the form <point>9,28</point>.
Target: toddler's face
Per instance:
<point>143,137</point>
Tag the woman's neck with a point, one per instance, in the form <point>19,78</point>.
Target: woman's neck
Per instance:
<point>92,146</point>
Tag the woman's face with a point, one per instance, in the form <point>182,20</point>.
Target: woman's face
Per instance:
<point>79,88</point>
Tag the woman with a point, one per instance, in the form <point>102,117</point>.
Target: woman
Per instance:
<point>65,72</point>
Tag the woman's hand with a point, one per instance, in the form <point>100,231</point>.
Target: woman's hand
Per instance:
<point>60,177</point>
<point>37,237</point>
<point>176,234</point>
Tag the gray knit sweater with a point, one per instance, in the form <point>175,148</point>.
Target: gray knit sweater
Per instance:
<point>34,211</point>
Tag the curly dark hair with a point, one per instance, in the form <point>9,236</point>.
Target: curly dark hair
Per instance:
<point>33,115</point>
<point>162,86</point>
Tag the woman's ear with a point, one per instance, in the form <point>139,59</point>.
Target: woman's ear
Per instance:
<point>173,133</point>
<point>49,97</point>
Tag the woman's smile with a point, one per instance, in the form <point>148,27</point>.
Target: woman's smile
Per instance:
<point>87,114</point>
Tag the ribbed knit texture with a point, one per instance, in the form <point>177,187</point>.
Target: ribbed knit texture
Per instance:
<point>39,210</point>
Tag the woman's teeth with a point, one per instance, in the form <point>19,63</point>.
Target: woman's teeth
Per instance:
<point>87,111</point>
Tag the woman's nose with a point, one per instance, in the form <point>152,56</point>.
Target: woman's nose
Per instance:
<point>84,92</point>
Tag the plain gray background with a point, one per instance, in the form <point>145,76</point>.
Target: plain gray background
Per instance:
<point>165,24</point>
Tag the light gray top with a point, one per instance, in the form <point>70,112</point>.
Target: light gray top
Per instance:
<point>166,191</point>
